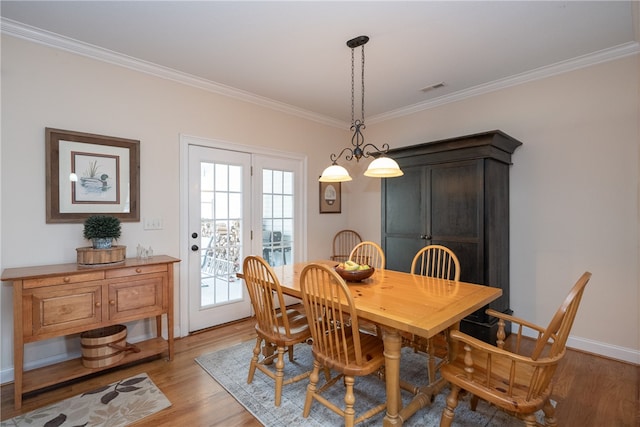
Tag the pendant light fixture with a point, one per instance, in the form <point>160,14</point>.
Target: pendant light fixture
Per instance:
<point>382,166</point>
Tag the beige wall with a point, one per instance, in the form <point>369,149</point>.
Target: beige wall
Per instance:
<point>574,192</point>
<point>574,187</point>
<point>44,87</point>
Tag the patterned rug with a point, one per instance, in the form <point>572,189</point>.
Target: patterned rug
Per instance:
<point>230,367</point>
<point>118,404</point>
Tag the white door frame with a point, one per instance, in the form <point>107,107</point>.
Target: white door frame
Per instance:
<point>182,327</point>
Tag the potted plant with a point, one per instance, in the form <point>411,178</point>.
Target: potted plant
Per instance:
<point>101,230</point>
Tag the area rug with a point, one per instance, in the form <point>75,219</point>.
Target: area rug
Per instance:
<point>118,404</point>
<point>230,367</point>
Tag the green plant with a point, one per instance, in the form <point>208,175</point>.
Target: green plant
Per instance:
<point>97,226</point>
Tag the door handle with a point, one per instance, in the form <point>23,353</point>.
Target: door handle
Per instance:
<point>425,237</point>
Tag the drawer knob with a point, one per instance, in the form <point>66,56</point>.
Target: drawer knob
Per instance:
<point>138,270</point>
<point>67,279</point>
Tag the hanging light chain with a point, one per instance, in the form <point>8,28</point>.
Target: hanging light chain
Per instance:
<point>352,86</point>
<point>362,84</point>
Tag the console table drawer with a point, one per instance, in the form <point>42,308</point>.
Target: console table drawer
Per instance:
<point>134,271</point>
<point>63,280</point>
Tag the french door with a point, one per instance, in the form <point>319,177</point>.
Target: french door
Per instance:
<point>233,213</point>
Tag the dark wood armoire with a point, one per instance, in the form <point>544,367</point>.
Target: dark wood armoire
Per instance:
<point>454,192</point>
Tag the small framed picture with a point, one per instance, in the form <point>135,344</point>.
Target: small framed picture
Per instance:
<point>330,197</point>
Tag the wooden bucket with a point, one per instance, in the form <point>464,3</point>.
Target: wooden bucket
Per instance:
<point>105,346</point>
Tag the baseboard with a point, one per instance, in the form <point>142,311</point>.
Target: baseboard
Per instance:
<point>599,348</point>
<point>606,350</point>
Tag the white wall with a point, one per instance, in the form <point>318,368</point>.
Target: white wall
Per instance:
<point>44,87</point>
<point>574,183</point>
<point>574,193</point>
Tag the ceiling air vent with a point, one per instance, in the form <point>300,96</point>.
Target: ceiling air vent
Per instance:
<point>431,87</point>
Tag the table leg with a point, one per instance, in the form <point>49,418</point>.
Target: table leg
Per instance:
<point>392,347</point>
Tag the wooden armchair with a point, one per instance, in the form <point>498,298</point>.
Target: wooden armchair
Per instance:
<point>520,384</point>
<point>275,325</point>
<point>343,242</point>
<point>369,253</point>
<point>441,262</point>
<point>337,344</point>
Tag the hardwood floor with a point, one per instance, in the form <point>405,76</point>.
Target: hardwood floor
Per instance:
<point>590,390</point>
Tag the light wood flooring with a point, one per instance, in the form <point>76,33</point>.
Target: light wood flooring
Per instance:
<point>591,390</point>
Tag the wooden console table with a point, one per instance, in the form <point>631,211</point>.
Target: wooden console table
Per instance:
<point>56,300</point>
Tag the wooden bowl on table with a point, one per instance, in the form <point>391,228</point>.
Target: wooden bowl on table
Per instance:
<point>355,275</point>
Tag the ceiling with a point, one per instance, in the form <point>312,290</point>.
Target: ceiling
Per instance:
<point>293,55</point>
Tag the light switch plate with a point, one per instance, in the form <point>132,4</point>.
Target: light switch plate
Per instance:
<point>152,223</point>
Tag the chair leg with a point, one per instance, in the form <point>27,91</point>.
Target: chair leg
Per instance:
<point>311,388</point>
<point>290,351</point>
<point>254,360</point>
<point>530,420</point>
<point>349,401</point>
<point>474,402</point>
<point>549,414</point>
<point>279,375</point>
<point>452,402</point>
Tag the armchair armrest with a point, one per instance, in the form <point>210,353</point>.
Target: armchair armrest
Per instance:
<point>521,325</point>
<point>482,346</point>
<point>514,319</point>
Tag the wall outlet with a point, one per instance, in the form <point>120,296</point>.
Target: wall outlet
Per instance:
<point>152,223</point>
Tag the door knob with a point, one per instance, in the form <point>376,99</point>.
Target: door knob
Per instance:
<point>194,248</point>
<point>194,235</point>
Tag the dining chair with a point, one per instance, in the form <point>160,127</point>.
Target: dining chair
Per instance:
<point>518,381</point>
<point>276,325</point>
<point>369,253</point>
<point>343,242</point>
<point>337,344</point>
<point>440,262</point>
<point>436,261</point>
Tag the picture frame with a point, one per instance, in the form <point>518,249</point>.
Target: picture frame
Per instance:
<point>88,174</point>
<point>330,197</point>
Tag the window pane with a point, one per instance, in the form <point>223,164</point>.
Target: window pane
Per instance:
<point>235,178</point>
<point>267,181</point>
<point>235,205</point>
<point>288,183</point>
<point>221,206</point>
<point>221,178</point>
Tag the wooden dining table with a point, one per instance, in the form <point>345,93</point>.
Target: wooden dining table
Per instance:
<point>399,303</point>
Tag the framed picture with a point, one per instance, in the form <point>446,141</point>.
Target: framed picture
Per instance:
<point>91,174</point>
<point>330,197</point>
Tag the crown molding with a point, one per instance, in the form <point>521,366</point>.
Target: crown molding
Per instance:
<point>56,41</point>
<point>605,55</point>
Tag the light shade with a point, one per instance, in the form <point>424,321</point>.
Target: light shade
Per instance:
<point>335,173</point>
<point>383,167</point>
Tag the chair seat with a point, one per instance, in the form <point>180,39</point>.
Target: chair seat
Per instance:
<point>372,351</point>
<point>495,390</point>
<point>298,329</point>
